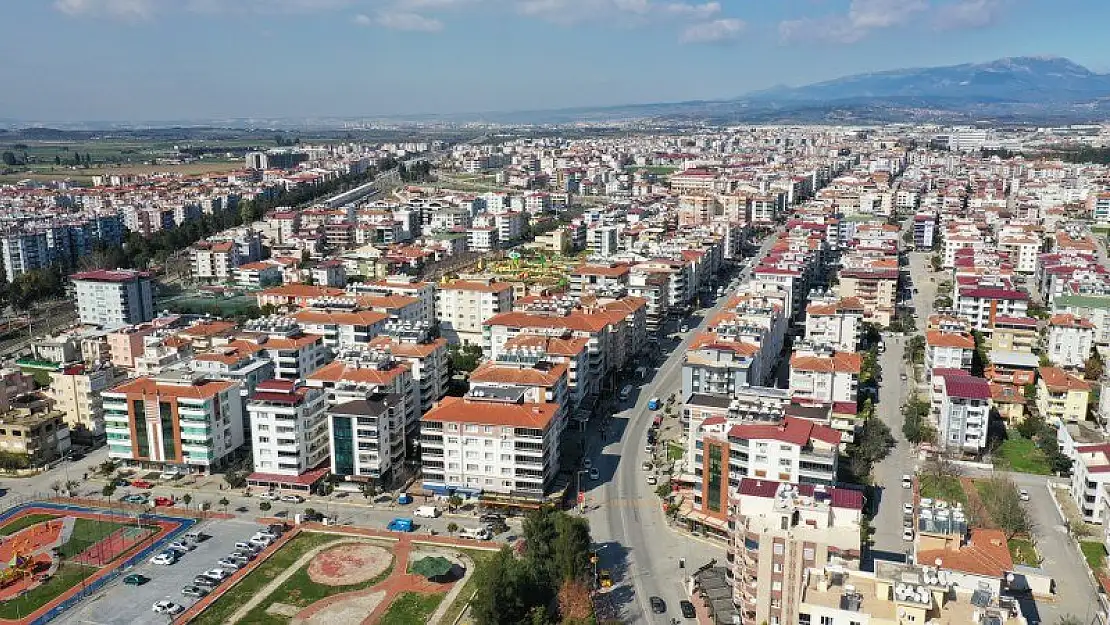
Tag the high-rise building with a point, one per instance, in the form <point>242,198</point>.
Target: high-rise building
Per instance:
<point>114,298</point>
<point>367,438</point>
<point>289,436</point>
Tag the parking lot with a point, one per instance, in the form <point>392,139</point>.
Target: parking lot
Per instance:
<point>120,604</point>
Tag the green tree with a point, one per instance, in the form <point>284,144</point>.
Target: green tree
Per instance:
<point>915,425</point>
<point>224,503</point>
<point>108,490</point>
<point>452,527</point>
<point>187,499</point>
<point>1093,369</point>
<point>9,159</point>
<point>107,467</point>
<point>572,548</point>
<point>264,506</point>
<point>506,590</point>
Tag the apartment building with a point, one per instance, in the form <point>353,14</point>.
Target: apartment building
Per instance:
<point>339,329</point>
<point>961,409</point>
<point>289,434</point>
<point>113,298</point>
<point>23,252</point>
<point>924,232</point>
<point>31,427</point>
<point>75,390</point>
<point>1070,341</point>
<point>295,354</point>
<point>825,377</point>
<point>875,288</point>
<point>835,323</point>
<point>367,438</point>
<point>496,448</point>
<point>719,366</point>
<point>178,420</point>
<point>541,381</point>
<point>529,349</point>
<point>409,286</point>
<point>948,350</point>
<point>982,305</point>
<point>13,383</point>
<point>1013,334</point>
<point>479,239</point>
<point>215,261</point>
<point>258,275</point>
<point>1090,477</point>
<point>1061,396</point>
<point>781,531</point>
<point>427,360</point>
<point>463,306</point>
<point>589,279</point>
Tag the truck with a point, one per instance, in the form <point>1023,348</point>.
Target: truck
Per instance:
<point>400,525</point>
<point>476,533</point>
<point>654,403</point>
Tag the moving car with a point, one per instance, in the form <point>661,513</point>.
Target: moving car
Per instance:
<point>1023,495</point>
<point>657,604</point>
<point>194,591</point>
<point>135,579</point>
<point>142,484</point>
<point>654,403</point>
<point>605,578</point>
<point>685,328</point>
<point>400,525</point>
<point>907,481</point>
<point>687,609</point>
<point>165,558</point>
<point>167,607</point>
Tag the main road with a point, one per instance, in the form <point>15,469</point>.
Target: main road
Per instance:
<point>626,517</point>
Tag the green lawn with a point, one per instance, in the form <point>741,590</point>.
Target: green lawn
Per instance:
<point>1023,552</point>
<point>253,583</point>
<point>411,608</point>
<point>675,451</point>
<point>301,591</point>
<point>1095,554</point>
<point>1020,454</point>
<point>87,532</point>
<point>463,598</point>
<point>946,488</point>
<point>69,575</point>
<point>24,521</point>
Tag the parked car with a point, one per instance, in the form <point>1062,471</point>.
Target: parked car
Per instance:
<point>194,591</point>
<point>400,525</point>
<point>492,517</point>
<point>228,563</point>
<point>217,574</point>
<point>167,607</point>
<point>142,484</point>
<point>292,499</point>
<point>426,512</point>
<point>270,496</point>
<point>652,480</point>
<point>184,545</point>
<point>907,508</point>
<point>654,403</point>
<point>163,502</point>
<point>123,482</point>
<point>687,609</point>
<point>657,604</point>
<point>165,558</point>
<point>907,533</point>
<point>134,579</point>
<point>139,500</point>
<point>194,537</point>
<point>907,481</point>
<point>595,474</point>
<point>476,533</point>
<point>1023,495</point>
<point>205,582</point>
<point>169,475</point>
<point>247,547</point>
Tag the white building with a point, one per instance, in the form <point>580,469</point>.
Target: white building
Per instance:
<point>289,435</point>
<point>113,298</point>
<point>961,408</point>
<point>1070,341</point>
<point>482,239</point>
<point>948,350</point>
<point>835,324</point>
<point>1090,476</point>
<point>825,378</point>
<point>462,307</point>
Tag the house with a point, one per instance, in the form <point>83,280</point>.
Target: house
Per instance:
<point>1070,340</point>
<point>1061,396</point>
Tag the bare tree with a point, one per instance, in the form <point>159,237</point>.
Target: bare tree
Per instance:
<point>1003,502</point>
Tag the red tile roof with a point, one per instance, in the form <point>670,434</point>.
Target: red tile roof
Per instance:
<point>797,431</point>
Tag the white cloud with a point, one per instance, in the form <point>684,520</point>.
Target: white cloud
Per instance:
<point>715,31</point>
<point>625,11</point>
<point>363,20</point>
<point>119,9</point>
<point>967,14</point>
<point>863,17</point>
<point>413,22</point>
<point>266,6</point>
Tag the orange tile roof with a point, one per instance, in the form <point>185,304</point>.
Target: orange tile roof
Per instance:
<point>601,270</point>
<point>148,386</point>
<point>986,555</point>
<point>297,342</point>
<point>207,329</point>
<point>460,410</point>
<point>551,345</point>
<point>406,349</point>
<point>339,371</point>
<point>842,362</point>
<point>959,340</point>
<point>846,304</point>
<point>498,374</point>
<point>1057,380</point>
<point>362,317</point>
<point>1068,320</point>
<point>386,301</point>
<point>1006,394</point>
<point>711,340</point>
<point>303,290</point>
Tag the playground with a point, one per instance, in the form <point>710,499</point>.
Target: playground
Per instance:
<point>50,554</point>
<point>533,268</point>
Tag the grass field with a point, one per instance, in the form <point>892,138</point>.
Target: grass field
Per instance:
<point>1021,454</point>
<point>411,608</point>
<point>301,591</point>
<point>946,488</point>
<point>24,521</point>
<point>1094,553</point>
<point>1023,552</point>
<point>69,575</point>
<point>84,176</point>
<point>675,451</point>
<point>463,598</point>
<point>252,584</point>
<point>87,532</point>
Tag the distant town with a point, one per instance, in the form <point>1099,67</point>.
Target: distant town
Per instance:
<point>759,375</point>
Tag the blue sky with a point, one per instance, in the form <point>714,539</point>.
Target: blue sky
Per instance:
<point>143,60</point>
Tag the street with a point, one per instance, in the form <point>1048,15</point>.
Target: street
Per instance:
<point>626,516</point>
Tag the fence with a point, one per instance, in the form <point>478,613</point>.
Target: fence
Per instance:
<point>104,577</point>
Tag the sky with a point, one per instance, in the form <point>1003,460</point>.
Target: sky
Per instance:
<point>150,60</point>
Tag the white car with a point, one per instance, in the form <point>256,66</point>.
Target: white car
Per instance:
<point>685,328</point>
<point>907,508</point>
<point>167,607</point>
<point>907,533</point>
<point>169,475</point>
<point>247,547</point>
<point>270,495</point>
<point>182,545</point>
<point>1023,495</point>
<point>292,499</point>
<point>217,574</point>
<point>228,563</point>
<point>165,558</point>
<point>907,481</point>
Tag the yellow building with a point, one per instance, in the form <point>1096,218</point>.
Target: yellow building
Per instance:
<point>1061,395</point>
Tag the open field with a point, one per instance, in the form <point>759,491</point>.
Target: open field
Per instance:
<point>1021,455</point>
<point>84,176</point>
<point>946,488</point>
<point>411,608</point>
<point>86,533</point>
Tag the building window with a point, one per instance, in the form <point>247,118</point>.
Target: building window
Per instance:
<point>778,549</point>
<point>826,620</point>
<point>716,478</point>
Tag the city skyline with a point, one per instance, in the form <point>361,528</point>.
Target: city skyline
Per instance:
<point>147,60</point>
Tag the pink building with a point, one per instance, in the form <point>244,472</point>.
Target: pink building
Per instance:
<point>13,383</point>
<point>126,344</point>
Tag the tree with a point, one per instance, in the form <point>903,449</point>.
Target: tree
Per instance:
<point>56,486</point>
<point>224,503</point>
<point>936,262</point>
<point>915,425</point>
<point>873,442</point>
<point>1092,369</point>
<point>235,479</point>
<point>9,159</point>
<point>368,489</point>
<point>506,590</point>
<point>187,499</point>
<point>941,469</point>
<point>264,506</point>
<point>452,527</point>
<point>108,490</point>
<point>107,467</point>
<point>453,502</point>
<point>1003,502</point>
<point>572,548</point>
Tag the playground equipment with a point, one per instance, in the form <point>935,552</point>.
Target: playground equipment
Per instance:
<point>18,568</point>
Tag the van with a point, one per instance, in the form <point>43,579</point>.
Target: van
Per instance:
<point>626,392</point>
<point>476,533</point>
<point>426,512</point>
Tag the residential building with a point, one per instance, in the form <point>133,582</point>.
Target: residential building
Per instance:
<point>215,261</point>
<point>961,409</point>
<point>1015,334</point>
<point>720,366</point>
<point>1070,341</point>
<point>498,448</point>
<point>294,353</point>
<point>76,392</point>
<point>113,298</point>
<point>825,377</point>
<point>1090,477</point>
<point>835,323</point>
<point>876,288</point>
<point>289,434</point>
<point>924,232</point>
<point>780,532</point>
<point>178,420</point>
<point>982,305</point>
<point>463,306</point>
<point>31,427</point>
<point>339,329</point>
<point>13,383</point>
<point>948,350</point>
<point>367,438</point>
<point>1061,396</point>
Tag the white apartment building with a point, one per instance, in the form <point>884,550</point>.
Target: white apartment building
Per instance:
<point>367,438</point>
<point>825,377</point>
<point>463,306</point>
<point>1070,341</point>
<point>482,239</point>
<point>339,328</point>
<point>294,353</point>
<point>289,434</point>
<point>948,350</point>
<point>981,305</point>
<point>215,261</point>
<point>408,286</point>
<point>491,447</point>
<point>835,324</point>
<point>961,409</point>
<point>23,252</point>
<point>1023,250</point>
<point>1090,477</point>
<point>177,420</point>
<point>113,298</point>
<point>602,241</point>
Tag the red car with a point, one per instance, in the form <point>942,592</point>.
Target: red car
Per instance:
<point>163,502</point>
<point>142,484</point>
